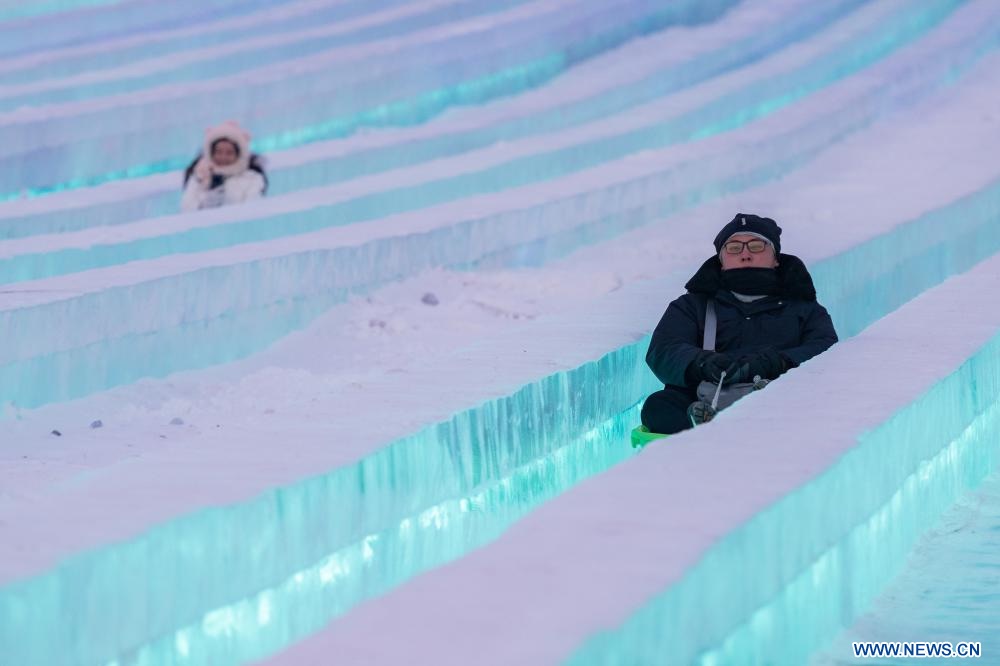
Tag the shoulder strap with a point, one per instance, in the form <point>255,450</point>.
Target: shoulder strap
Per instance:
<point>710,325</point>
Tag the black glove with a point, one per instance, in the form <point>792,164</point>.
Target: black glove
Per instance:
<point>708,366</point>
<point>700,412</point>
<point>768,364</point>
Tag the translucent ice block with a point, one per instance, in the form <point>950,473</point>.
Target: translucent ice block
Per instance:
<point>226,575</point>
<point>403,81</point>
<point>13,10</point>
<point>190,326</point>
<point>568,154</point>
<point>267,19</point>
<point>821,553</point>
<point>479,470</point>
<point>223,60</point>
<point>946,590</point>
<point>37,26</point>
<point>613,92</point>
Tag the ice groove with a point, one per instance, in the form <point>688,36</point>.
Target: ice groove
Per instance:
<point>66,364</point>
<point>288,530</point>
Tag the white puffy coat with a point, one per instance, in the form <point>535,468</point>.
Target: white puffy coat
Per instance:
<point>234,183</point>
<point>241,187</point>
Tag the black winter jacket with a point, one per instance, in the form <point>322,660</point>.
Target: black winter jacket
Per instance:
<point>792,323</point>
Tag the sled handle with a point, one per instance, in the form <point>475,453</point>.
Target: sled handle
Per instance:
<point>718,389</point>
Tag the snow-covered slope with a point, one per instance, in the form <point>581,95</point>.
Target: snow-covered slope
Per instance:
<point>295,406</point>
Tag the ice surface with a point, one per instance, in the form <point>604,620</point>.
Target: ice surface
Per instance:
<point>191,327</point>
<point>269,540</point>
<point>764,533</point>
<point>523,163</point>
<point>468,464</point>
<point>241,580</point>
<point>530,160</point>
<point>41,25</point>
<point>657,66</point>
<point>834,555</point>
<point>248,23</point>
<point>947,589</point>
<point>396,81</point>
<point>247,54</point>
<point>9,10</point>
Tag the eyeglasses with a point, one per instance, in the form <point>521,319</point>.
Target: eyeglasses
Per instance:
<point>755,245</point>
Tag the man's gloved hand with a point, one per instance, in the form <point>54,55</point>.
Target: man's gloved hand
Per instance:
<point>708,366</point>
<point>700,412</point>
<point>768,364</point>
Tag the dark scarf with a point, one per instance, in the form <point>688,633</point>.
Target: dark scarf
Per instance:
<point>751,281</point>
<point>793,279</point>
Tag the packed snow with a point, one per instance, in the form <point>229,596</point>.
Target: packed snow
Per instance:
<point>350,313</point>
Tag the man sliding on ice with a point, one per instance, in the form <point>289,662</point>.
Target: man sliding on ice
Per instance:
<point>749,315</point>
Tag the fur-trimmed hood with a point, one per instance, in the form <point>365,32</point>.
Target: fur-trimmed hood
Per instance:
<point>793,277</point>
<point>231,131</point>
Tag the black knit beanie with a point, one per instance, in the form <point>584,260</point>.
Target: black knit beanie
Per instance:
<point>754,224</point>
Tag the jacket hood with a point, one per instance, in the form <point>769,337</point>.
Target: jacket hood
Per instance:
<point>796,283</point>
<point>239,137</point>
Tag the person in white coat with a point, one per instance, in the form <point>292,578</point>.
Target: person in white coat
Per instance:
<point>225,172</point>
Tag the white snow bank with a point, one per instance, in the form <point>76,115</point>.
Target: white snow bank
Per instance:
<point>585,562</point>
<point>200,292</point>
<point>628,72</point>
<point>319,382</point>
<point>153,40</point>
<point>246,54</point>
